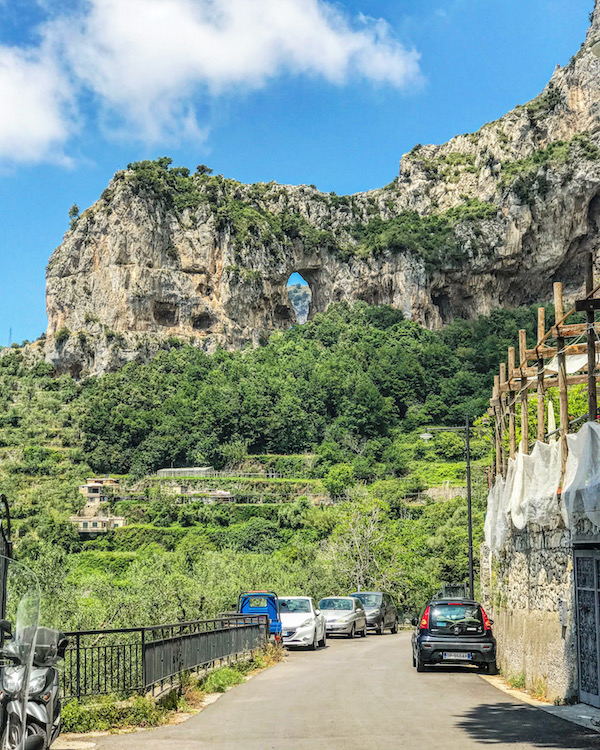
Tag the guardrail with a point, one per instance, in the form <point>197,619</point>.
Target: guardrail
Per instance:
<point>125,661</point>
<point>183,473</point>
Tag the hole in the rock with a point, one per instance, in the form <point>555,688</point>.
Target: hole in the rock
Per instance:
<point>300,296</point>
<point>282,312</point>
<point>202,322</point>
<point>443,304</point>
<point>165,313</point>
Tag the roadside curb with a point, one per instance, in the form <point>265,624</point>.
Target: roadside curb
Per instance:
<point>578,713</point>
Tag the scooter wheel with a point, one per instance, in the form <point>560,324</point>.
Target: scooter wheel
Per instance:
<point>33,730</point>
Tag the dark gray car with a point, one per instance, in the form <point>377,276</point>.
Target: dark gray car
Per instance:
<point>380,610</point>
<point>454,631</point>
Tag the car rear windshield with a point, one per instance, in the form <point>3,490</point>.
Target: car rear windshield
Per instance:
<point>335,603</point>
<point>369,600</point>
<point>456,618</point>
<point>256,601</point>
<point>294,605</point>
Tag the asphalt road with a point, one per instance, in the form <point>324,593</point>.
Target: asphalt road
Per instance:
<point>362,694</point>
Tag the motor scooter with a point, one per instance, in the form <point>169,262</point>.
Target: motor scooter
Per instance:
<point>22,597</point>
<point>43,704</point>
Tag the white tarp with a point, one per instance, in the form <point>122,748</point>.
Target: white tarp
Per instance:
<point>529,492</point>
<point>573,363</point>
<point>581,494</point>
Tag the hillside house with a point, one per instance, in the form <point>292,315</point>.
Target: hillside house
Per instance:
<point>94,517</point>
<point>98,524</point>
<point>97,490</point>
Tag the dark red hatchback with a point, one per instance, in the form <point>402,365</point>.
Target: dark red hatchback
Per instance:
<point>454,631</point>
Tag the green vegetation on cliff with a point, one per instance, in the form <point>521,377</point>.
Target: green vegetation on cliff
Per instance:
<point>431,237</point>
<point>263,215</point>
<point>336,405</point>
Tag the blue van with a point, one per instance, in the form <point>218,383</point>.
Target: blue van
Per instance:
<point>262,603</point>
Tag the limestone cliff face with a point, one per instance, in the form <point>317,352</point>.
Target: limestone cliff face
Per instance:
<point>488,219</point>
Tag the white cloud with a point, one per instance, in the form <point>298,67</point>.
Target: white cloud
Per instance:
<point>151,63</point>
<point>35,116</point>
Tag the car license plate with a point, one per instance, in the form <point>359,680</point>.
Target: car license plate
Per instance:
<point>457,655</point>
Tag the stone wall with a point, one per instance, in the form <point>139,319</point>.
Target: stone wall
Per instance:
<point>529,590</point>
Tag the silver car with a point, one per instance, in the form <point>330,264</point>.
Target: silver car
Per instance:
<point>344,615</point>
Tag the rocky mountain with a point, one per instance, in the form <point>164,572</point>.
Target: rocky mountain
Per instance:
<point>488,219</point>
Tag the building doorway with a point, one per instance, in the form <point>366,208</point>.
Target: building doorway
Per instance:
<point>587,587</point>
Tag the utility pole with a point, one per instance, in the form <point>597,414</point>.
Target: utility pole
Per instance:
<point>467,430</point>
<point>469,515</point>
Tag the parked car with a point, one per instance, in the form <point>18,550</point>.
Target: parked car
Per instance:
<point>303,624</point>
<point>262,603</point>
<point>380,610</point>
<point>454,631</point>
<point>344,615</point>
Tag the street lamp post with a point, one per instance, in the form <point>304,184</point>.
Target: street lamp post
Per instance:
<point>467,430</point>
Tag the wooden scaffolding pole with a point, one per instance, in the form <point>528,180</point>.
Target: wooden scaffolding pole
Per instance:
<point>591,344</point>
<point>503,417</point>
<point>524,393</point>
<point>541,422</point>
<point>497,420</point>
<point>562,378</point>
<point>512,429</point>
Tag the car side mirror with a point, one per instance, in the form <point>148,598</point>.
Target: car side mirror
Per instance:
<point>414,622</point>
<point>6,627</point>
<point>317,611</point>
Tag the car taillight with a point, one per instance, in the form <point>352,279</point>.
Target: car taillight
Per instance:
<point>487,625</point>
<point>424,624</point>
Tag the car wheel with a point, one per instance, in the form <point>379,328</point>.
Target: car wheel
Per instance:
<point>395,627</point>
<point>420,665</point>
<point>352,632</point>
<point>323,641</point>
<point>491,668</point>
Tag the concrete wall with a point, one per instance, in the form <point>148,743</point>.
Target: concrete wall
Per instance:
<point>530,593</point>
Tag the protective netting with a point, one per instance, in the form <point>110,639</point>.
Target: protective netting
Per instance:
<point>581,495</point>
<point>529,492</point>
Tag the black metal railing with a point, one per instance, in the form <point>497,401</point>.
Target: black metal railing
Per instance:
<point>138,660</point>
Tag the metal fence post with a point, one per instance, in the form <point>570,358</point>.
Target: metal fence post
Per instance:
<point>144,686</point>
<point>77,667</point>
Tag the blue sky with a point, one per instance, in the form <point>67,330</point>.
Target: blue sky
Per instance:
<point>297,91</point>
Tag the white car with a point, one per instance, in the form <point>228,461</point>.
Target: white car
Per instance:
<point>302,623</point>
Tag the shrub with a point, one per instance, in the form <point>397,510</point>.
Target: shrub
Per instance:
<point>338,479</point>
<point>62,335</point>
<point>221,679</point>
<point>109,713</point>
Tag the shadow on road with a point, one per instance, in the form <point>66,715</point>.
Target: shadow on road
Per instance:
<point>510,723</point>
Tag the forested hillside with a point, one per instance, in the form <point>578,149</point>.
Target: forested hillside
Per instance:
<point>336,405</point>
<point>353,375</point>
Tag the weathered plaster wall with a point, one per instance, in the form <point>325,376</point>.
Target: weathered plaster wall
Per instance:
<point>529,590</point>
